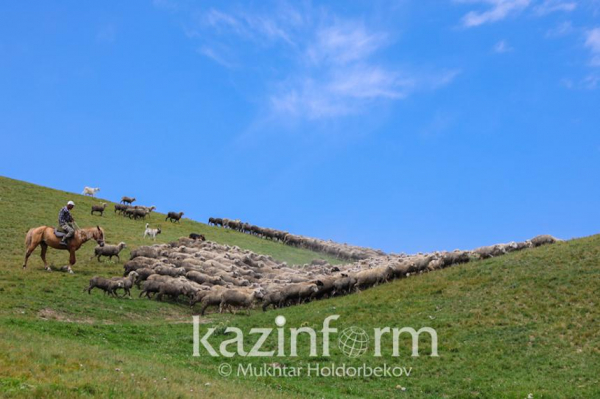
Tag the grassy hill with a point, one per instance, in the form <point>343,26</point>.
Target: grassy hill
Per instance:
<point>525,323</point>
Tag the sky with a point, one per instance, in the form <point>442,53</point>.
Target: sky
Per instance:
<point>403,125</point>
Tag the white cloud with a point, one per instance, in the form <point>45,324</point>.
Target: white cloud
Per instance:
<point>502,47</point>
<point>550,6</point>
<point>562,29</point>
<point>344,42</point>
<point>591,82</point>
<point>592,42</point>
<point>253,27</point>
<point>215,56</point>
<point>351,91</point>
<point>326,66</point>
<point>499,10</point>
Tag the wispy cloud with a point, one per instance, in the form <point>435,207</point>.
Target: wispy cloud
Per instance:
<point>332,64</point>
<point>497,10</point>
<point>562,29</point>
<point>215,56</point>
<point>502,47</point>
<point>339,93</point>
<point>592,42</point>
<point>344,42</point>
<point>550,6</point>
<point>591,82</point>
<point>248,26</point>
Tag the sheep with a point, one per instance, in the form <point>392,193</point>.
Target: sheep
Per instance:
<point>170,271</point>
<point>106,285</point>
<point>457,257</point>
<point>139,213</point>
<point>174,216</point>
<point>198,296</point>
<point>120,208</point>
<point>143,275</point>
<point>148,252</point>
<point>174,290</point>
<point>98,208</point>
<point>195,236</point>
<point>543,240</point>
<point>369,278</point>
<point>298,292</point>
<point>148,209</point>
<point>344,284</point>
<point>213,298</point>
<point>109,250</point>
<point>127,200</point>
<point>139,263</point>
<point>90,191</point>
<point>274,298</point>
<point>202,278</point>
<point>489,251</point>
<point>150,286</point>
<point>326,287</point>
<point>127,282</point>
<point>240,299</point>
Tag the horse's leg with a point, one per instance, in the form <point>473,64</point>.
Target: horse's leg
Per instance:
<point>72,260</point>
<point>28,252</point>
<point>43,255</point>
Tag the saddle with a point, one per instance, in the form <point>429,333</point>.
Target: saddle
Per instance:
<point>59,233</point>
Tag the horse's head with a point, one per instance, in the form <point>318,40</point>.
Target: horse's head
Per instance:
<point>99,236</point>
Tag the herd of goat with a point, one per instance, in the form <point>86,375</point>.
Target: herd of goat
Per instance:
<point>231,278</point>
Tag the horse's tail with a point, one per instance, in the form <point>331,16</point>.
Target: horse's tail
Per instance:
<point>28,238</point>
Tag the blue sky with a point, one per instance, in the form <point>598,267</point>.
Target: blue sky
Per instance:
<point>401,125</point>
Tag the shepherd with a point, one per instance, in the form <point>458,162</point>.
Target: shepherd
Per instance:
<point>72,237</point>
<point>66,222</point>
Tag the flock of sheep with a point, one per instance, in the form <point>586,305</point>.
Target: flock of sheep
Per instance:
<point>342,251</point>
<point>232,278</point>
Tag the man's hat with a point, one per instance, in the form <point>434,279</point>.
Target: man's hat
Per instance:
<point>71,203</point>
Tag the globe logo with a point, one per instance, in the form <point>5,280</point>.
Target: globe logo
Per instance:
<point>353,342</point>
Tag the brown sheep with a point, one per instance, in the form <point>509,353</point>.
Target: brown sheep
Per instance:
<point>98,208</point>
<point>174,216</point>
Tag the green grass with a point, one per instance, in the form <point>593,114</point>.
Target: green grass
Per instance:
<point>523,323</point>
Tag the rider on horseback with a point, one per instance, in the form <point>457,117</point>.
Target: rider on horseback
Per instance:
<point>66,222</point>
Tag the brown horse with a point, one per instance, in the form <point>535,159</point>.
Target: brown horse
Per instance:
<point>44,236</point>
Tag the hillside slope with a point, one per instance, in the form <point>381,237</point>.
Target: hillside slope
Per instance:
<point>24,205</point>
<point>524,323</point>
